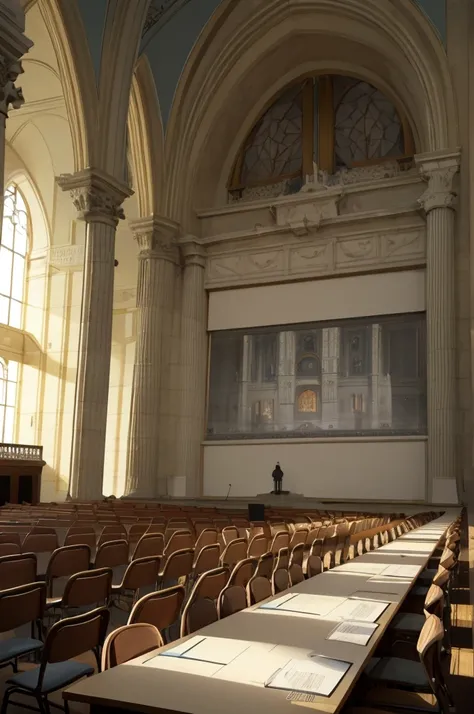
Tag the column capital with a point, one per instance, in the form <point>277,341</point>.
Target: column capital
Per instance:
<point>192,251</point>
<point>156,237</point>
<point>13,45</point>
<point>97,196</point>
<point>438,169</point>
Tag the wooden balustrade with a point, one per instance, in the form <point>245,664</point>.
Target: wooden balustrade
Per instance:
<point>20,473</point>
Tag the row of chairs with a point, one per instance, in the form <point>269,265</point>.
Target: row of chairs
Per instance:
<point>214,594</point>
<point>409,674</point>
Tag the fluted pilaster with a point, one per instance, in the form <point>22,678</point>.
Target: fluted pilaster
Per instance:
<point>438,202</point>
<point>193,368</point>
<point>158,260</point>
<point>98,200</point>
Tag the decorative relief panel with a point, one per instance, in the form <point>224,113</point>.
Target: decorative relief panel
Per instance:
<point>229,268</point>
<point>67,257</point>
<point>319,256</point>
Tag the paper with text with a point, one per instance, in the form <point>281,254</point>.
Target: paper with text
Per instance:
<point>359,610</point>
<point>401,571</point>
<point>357,633</point>
<point>216,650</point>
<point>319,605</point>
<point>316,675</point>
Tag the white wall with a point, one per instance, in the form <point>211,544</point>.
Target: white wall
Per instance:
<point>315,300</point>
<point>377,469</point>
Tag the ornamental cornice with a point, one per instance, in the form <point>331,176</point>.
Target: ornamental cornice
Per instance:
<point>96,196</point>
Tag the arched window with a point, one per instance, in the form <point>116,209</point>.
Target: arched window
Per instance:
<point>332,121</point>
<point>13,250</point>
<point>8,388</point>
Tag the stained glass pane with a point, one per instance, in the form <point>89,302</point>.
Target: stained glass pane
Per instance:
<point>7,233</point>
<point>274,148</point>
<point>18,277</point>
<point>20,240</point>
<point>6,259</point>
<point>367,125</point>
<point>3,391</point>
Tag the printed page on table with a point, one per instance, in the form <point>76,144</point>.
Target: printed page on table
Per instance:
<point>359,610</point>
<point>356,633</point>
<point>320,605</point>
<point>317,675</point>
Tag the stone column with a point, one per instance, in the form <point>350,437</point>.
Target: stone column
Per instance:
<point>193,368</point>
<point>245,410</point>
<point>438,202</point>
<point>97,198</point>
<point>13,45</point>
<point>376,361</point>
<point>158,260</point>
<point>329,378</point>
<point>286,380</point>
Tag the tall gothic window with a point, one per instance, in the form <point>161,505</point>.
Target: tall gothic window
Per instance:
<point>8,389</point>
<point>329,120</point>
<point>13,250</point>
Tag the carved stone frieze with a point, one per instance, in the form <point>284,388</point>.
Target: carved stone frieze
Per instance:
<point>317,257</point>
<point>67,257</point>
<point>10,95</point>
<point>232,267</point>
<point>305,218</point>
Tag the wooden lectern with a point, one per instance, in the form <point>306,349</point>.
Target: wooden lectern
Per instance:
<point>20,473</point>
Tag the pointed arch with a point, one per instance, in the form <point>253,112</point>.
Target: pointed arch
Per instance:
<point>122,36</point>
<point>146,140</point>
<point>225,84</point>
<point>66,29</point>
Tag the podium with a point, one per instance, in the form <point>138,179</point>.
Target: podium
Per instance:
<point>21,466</point>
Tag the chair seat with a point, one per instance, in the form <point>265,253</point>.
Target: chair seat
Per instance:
<point>386,697</point>
<point>18,646</point>
<point>427,574</point>
<point>53,601</point>
<point>400,672</point>
<point>408,622</point>
<point>56,676</point>
<point>419,591</point>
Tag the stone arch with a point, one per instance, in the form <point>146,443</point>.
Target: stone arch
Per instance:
<point>225,84</point>
<point>146,140</point>
<point>69,41</point>
<point>122,35</point>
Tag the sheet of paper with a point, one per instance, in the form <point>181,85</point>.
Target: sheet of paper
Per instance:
<point>217,650</point>
<point>181,664</point>
<point>312,604</point>
<point>315,675</point>
<point>358,566</point>
<point>359,610</point>
<point>256,666</point>
<point>277,602</point>
<point>401,571</point>
<point>357,633</point>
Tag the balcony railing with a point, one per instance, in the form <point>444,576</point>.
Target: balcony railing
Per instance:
<point>21,452</point>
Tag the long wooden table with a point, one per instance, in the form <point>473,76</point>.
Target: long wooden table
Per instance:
<point>135,687</point>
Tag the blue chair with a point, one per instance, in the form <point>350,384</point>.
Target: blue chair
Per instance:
<point>66,639</point>
<point>21,606</point>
